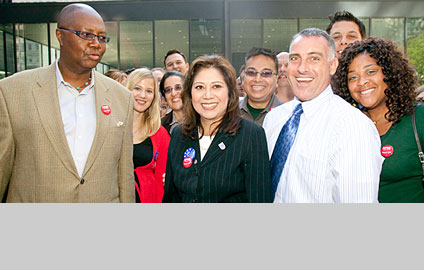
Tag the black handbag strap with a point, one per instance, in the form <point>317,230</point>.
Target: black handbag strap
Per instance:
<point>417,139</point>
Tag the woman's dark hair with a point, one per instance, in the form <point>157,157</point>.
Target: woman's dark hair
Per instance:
<point>166,76</point>
<point>398,75</point>
<point>231,120</point>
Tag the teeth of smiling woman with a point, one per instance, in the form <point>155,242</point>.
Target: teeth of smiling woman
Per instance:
<point>210,105</point>
<point>304,79</point>
<point>367,91</point>
<point>257,87</point>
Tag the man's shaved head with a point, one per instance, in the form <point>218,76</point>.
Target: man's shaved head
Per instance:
<point>79,54</point>
<point>68,14</point>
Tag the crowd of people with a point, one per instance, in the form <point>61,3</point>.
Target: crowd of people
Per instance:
<point>336,119</point>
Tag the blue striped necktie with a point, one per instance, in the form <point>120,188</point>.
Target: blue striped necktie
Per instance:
<point>283,145</point>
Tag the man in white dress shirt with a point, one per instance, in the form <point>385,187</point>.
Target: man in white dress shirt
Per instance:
<point>335,156</point>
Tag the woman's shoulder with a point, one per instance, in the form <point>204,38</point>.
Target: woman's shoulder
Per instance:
<point>420,110</point>
<point>161,134</point>
<point>246,125</point>
<point>166,119</point>
<point>419,114</point>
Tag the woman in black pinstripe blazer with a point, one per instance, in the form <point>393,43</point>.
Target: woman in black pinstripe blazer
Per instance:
<point>216,156</point>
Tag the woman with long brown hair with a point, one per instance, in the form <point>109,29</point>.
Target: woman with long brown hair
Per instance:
<point>215,156</point>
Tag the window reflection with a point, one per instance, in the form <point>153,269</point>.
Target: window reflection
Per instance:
<point>29,41</point>
<point>205,37</point>
<point>170,34</point>
<point>145,43</point>
<point>388,28</point>
<point>10,59</point>
<point>136,44</point>
<point>315,23</point>
<point>2,60</point>
<point>278,33</point>
<point>245,34</point>
<point>110,57</point>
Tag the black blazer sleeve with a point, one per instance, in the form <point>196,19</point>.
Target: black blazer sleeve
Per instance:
<point>257,167</point>
<point>171,193</point>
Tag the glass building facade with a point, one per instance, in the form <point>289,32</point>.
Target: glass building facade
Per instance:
<point>143,31</point>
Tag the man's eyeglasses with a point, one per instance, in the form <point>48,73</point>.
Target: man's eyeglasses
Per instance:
<point>87,35</point>
<point>264,74</point>
<point>177,88</point>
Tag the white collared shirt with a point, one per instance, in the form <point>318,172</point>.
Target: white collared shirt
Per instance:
<point>78,112</point>
<point>335,156</point>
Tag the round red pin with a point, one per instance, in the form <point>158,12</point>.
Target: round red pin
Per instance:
<point>187,162</point>
<point>387,150</point>
<point>105,109</point>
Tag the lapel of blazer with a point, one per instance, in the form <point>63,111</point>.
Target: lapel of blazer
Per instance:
<point>220,143</point>
<point>102,120</point>
<point>47,103</point>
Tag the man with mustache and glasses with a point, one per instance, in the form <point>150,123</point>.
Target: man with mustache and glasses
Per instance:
<point>322,149</point>
<point>66,130</point>
<point>259,83</point>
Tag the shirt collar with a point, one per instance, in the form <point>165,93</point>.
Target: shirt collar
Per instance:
<point>273,102</point>
<point>59,79</point>
<point>311,106</point>
<point>243,104</point>
<point>174,120</point>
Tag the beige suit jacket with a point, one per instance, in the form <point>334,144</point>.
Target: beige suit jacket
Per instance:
<point>35,160</point>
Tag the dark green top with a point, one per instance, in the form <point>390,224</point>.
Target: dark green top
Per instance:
<point>400,179</point>
<point>254,112</point>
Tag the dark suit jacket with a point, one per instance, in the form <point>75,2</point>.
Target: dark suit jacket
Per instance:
<point>239,173</point>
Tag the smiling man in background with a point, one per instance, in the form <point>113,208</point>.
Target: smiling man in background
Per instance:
<point>176,60</point>
<point>345,29</point>
<point>66,130</point>
<point>259,83</point>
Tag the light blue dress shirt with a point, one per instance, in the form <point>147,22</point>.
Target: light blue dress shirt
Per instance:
<point>79,118</point>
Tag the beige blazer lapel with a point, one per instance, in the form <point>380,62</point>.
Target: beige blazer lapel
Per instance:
<point>47,103</point>
<point>102,120</point>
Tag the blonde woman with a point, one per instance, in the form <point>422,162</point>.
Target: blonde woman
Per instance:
<point>150,139</point>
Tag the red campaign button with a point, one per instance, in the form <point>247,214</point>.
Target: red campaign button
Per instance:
<point>105,109</point>
<point>187,162</point>
<point>270,109</point>
<point>387,150</point>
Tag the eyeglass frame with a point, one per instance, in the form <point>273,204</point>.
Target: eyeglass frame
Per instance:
<point>168,90</point>
<point>78,34</point>
<point>263,74</point>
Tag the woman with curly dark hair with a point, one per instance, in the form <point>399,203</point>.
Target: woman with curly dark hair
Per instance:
<point>374,76</point>
<point>215,155</point>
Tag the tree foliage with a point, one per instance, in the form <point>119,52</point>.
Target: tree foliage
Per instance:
<point>416,54</point>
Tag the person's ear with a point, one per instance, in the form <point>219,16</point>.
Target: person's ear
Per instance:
<point>333,65</point>
<point>59,36</point>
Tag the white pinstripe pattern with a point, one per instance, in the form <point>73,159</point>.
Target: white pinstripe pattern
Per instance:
<point>335,156</point>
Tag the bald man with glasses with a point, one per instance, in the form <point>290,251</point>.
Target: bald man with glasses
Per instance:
<point>259,83</point>
<point>67,129</point>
